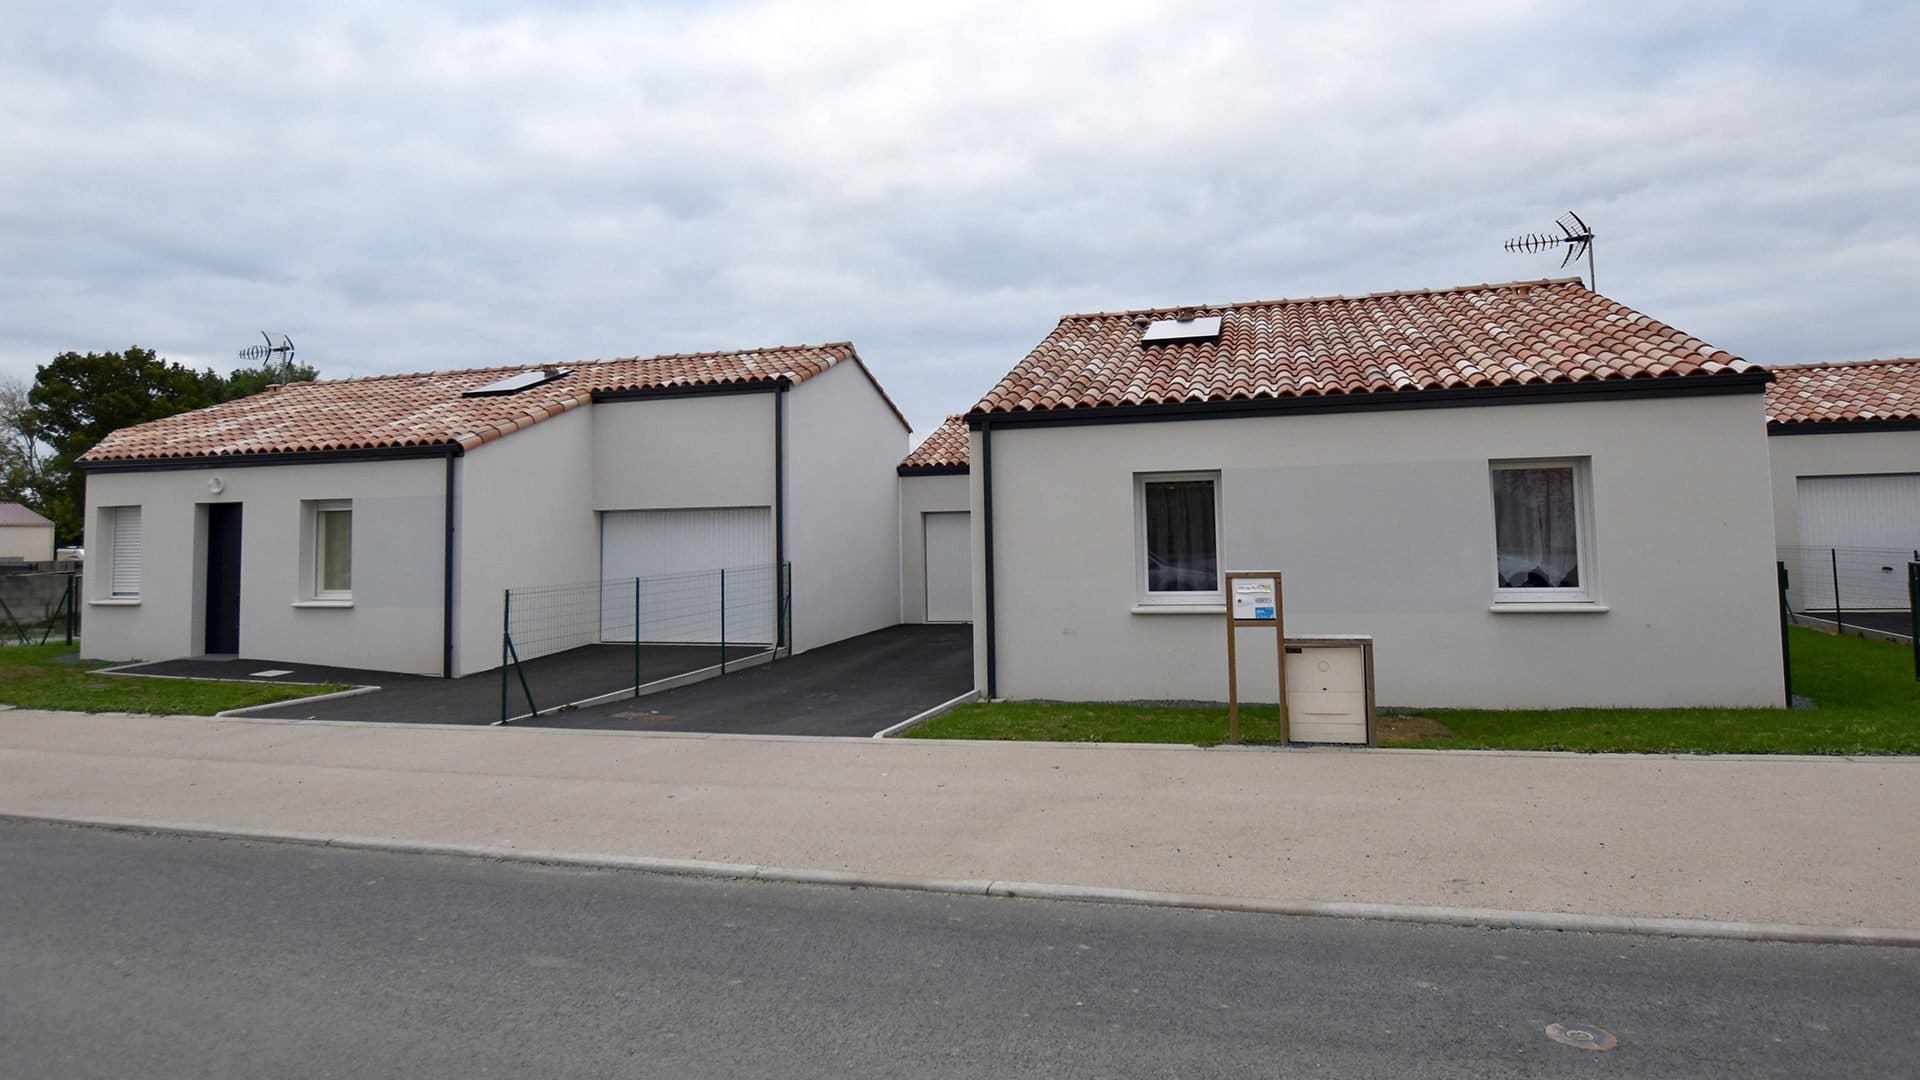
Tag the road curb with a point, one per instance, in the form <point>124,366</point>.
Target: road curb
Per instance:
<point>1489,918</point>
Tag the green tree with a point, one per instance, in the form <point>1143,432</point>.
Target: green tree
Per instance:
<point>20,471</point>
<point>79,398</point>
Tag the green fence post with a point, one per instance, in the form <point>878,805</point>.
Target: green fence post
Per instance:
<point>1839,620</point>
<point>70,592</point>
<point>1913,611</point>
<point>1786,649</point>
<point>636,637</point>
<point>506,643</point>
<point>723,622</point>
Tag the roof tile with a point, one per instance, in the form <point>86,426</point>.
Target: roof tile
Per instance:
<point>1860,390</point>
<point>427,409</point>
<point>945,449</point>
<point>1549,331</point>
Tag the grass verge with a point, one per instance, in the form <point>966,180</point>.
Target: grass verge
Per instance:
<point>51,677</point>
<point>1866,701</point>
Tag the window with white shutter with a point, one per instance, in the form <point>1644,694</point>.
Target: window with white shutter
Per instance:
<point>123,560</point>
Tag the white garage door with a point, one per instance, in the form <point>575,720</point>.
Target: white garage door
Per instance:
<point>1874,522</point>
<point>949,547</point>
<point>1860,511</point>
<point>677,555</point>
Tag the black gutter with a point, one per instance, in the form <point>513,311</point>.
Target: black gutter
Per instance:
<point>933,470</point>
<point>986,501</point>
<point>780,587</point>
<point>652,393</point>
<point>279,457</point>
<point>1387,400</point>
<point>446,583</point>
<point>1841,427</point>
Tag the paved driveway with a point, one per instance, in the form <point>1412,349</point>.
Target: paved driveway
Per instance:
<point>855,687</point>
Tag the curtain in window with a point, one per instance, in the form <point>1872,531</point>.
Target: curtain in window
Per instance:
<point>1535,527</point>
<point>1182,555</point>
<point>336,550</point>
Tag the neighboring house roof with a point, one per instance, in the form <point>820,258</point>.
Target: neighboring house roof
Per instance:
<point>1471,338</point>
<point>944,451</point>
<point>13,513</point>
<point>427,410</point>
<point>1860,393</point>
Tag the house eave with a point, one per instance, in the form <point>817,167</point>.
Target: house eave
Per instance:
<point>1742,382</point>
<point>283,457</point>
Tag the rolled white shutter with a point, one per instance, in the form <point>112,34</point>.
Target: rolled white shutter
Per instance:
<point>126,551</point>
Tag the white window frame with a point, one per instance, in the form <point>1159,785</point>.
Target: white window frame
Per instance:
<point>1217,598</point>
<point>1587,592</point>
<point>315,511</point>
<point>114,518</point>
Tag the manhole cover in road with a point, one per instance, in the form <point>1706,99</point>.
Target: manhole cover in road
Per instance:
<point>1582,1036</point>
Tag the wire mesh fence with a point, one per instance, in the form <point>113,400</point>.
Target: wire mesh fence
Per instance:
<point>36,608</point>
<point>1853,587</point>
<point>573,644</point>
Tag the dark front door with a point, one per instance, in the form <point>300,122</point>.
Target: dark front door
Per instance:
<point>223,578</point>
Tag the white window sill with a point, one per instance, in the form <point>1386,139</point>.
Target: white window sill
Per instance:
<point>323,603</point>
<point>1523,607</point>
<point>116,601</point>
<point>1179,609</point>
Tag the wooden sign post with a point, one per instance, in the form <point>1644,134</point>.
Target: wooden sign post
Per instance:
<point>1254,599</point>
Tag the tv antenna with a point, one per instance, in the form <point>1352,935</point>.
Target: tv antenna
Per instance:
<point>1575,234</point>
<point>270,353</point>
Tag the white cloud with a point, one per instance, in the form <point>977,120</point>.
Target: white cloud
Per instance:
<point>410,187</point>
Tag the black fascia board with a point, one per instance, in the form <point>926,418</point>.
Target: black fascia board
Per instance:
<point>934,470</point>
<point>1385,401</point>
<point>1841,427</point>
<point>652,393</point>
<point>278,457</point>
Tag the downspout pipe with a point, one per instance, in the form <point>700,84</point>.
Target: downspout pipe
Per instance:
<point>986,501</point>
<point>446,575</point>
<point>780,586</point>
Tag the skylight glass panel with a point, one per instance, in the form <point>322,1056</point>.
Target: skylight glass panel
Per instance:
<point>1205,328</point>
<point>513,384</point>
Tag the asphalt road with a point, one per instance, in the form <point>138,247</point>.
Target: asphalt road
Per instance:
<point>125,955</point>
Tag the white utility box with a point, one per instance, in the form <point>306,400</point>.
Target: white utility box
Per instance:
<point>1330,689</point>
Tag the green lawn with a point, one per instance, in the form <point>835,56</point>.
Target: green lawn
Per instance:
<point>1866,701</point>
<point>50,677</point>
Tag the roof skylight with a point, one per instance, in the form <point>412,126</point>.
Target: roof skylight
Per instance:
<point>1204,328</point>
<point>513,384</point>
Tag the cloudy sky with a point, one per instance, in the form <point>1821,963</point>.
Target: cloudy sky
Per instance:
<point>404,187</point>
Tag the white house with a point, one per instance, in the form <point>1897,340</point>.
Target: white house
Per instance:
<point>936,530</point>
<point>1845,448</point>
<point>376,522</point>
<point>25,536</point>
<point>1527,494</point>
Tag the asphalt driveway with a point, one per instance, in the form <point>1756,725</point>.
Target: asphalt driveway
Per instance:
<point>855,687</point>
<point>859,686</point>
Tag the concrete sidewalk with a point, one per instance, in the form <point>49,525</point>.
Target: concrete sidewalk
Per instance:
<point>1787,840</point>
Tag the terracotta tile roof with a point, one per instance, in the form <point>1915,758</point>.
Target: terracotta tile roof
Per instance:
<point>944,451</point>
<point>1519,333</point>
<point>13,513</point>
<point>427,409</point>
<point>1861,390</point>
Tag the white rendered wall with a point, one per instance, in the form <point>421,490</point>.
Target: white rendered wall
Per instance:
<point>844,444</point>
<point>680,452</point>
<point>30,543</point>
<point>1383,524</point>
<point>922,495</point>
<point>398,543</point>
<point>525,510</point>
<point>1849,454</point>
